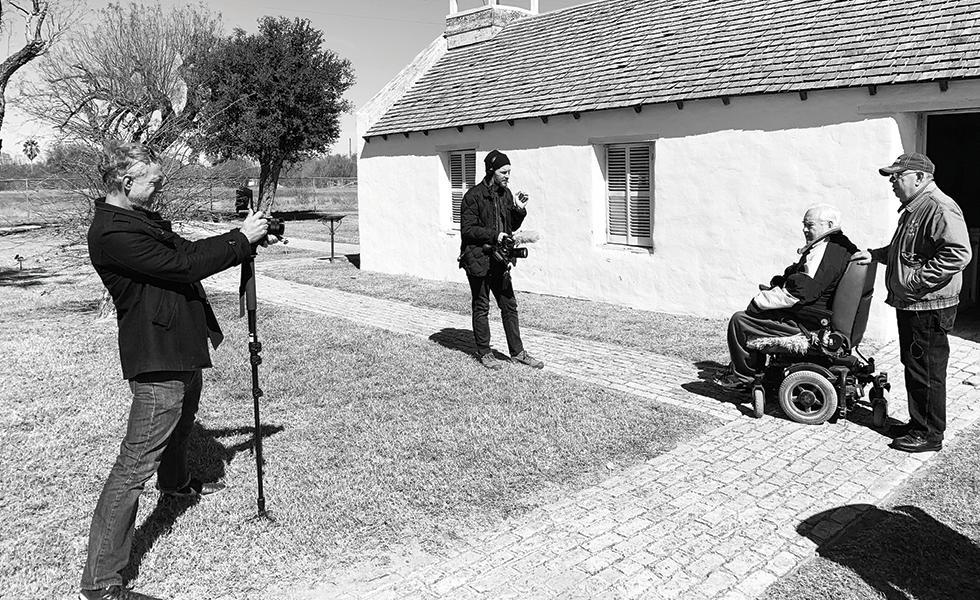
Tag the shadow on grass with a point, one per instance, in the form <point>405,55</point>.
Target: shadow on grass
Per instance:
<point>902,553</point>
<point>455,339</point>
<point>206,458</point>
<point>461,340</point>
<point>23,277</point>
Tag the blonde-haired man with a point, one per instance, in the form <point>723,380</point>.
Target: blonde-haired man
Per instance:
<point>165,321</point>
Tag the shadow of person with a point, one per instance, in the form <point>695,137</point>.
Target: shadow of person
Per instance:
<point>455,339</point>
<point>206,460</point>
<point>903,553</point>
<point>461,340</point>
<point>708,370</point>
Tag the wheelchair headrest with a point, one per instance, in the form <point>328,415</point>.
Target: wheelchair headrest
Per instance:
<point>852,301</point>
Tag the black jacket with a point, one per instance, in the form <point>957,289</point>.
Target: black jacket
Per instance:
<point>154,277</point>
<point>816,291</point>
<point>483,215</point>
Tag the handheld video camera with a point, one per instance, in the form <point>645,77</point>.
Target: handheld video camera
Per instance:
<point>507,251</point>
<point>277,227</point>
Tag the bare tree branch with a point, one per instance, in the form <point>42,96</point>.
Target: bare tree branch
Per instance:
<point>39,33</point>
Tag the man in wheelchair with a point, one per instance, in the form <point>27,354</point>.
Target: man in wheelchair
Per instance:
<point>794,303</point>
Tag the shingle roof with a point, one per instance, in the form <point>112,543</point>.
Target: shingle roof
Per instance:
<point>622,53</point>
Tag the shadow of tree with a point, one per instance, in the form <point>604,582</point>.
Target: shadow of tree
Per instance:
<point>903,553</point>
<point>80,306</point>
<point>23,278</point>
<point>206,459</point>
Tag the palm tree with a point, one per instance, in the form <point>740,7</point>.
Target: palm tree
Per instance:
<point>31,150</point>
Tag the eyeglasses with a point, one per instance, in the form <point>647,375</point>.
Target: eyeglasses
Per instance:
<point>896,176</point>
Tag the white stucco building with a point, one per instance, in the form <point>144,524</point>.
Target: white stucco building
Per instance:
<point>670,148</point>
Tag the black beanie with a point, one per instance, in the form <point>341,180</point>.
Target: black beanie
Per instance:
<point>495,160</point>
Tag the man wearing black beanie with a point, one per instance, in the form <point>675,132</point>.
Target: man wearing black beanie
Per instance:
<point>489,213</point>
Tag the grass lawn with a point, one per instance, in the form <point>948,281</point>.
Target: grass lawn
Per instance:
<point>376,444</point>
<point>345,232</point>
<point>692,338</point>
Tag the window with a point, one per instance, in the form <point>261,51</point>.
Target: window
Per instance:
<point>629,197</point>
<point>462,176</point>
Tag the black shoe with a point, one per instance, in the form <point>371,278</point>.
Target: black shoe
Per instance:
<point>732,381</point>
<point>917,443</point>
<point>194,489</point>
<point>113,592</point>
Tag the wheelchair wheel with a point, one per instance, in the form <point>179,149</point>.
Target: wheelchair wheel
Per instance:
<point>879,410</point>
<point>807,397</point>
<point>758,401</point>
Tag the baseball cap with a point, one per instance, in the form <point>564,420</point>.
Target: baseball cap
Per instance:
<point>912,161</point>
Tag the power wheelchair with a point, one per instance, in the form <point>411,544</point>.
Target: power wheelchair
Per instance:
<point>820,375</point>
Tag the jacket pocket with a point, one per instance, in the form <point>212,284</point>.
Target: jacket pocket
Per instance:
<point>163,316</point>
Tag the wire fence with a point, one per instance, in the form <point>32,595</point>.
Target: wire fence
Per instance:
<point>63,183</point>
<point>26,201</point>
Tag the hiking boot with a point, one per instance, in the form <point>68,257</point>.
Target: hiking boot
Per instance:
<point>490,361</point>
<point>194,489</point>
<point>526,359</point>
<point>113,592</point>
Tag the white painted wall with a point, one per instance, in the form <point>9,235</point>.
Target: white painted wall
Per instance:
<point>731,186</point>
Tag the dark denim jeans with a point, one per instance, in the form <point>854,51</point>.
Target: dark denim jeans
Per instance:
<point>496,281</point>
<point>922,335</point>
<point>160,422</point>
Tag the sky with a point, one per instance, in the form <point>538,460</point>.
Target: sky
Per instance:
<point>379,37</point>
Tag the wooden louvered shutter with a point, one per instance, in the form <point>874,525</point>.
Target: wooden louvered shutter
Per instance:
<point>629,213</point>
<point>462,176</point>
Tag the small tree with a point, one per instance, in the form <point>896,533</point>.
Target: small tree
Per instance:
<point>130,75</point>
<point>274,97</point>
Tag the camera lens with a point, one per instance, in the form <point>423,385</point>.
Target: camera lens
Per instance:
<point>276,227</point>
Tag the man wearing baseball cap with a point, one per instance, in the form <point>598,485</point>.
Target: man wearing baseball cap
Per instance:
<point>923,276</point>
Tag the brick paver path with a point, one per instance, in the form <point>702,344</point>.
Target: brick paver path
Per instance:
<point>716,517</point>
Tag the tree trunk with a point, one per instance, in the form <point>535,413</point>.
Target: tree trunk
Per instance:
<point>31,50</point>
<point>268,182</point>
